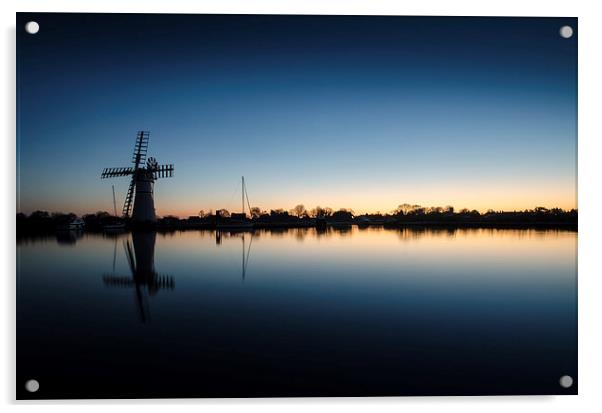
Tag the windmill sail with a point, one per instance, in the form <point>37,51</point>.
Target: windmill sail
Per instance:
<point>127,205</point>
<point>140,148</point>
<point>139,201</point>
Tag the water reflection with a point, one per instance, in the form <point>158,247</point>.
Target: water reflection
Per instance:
<point>246,251</point>
<point>331,311</point>
<point>68,237</point>
<point>143,278</point>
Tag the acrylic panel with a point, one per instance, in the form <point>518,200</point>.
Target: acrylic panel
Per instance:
<point>295,206</point>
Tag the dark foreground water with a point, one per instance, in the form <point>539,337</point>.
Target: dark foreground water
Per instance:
<point>346,312</point>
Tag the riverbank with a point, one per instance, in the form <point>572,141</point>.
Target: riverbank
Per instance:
<point>45,223</point>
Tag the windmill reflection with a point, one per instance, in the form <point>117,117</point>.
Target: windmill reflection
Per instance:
<point>144,279</point>
<point>246,251</point>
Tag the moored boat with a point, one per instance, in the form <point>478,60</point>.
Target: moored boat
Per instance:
<point>237,221</point>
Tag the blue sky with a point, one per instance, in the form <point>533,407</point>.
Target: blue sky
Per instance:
<point>358,112</point>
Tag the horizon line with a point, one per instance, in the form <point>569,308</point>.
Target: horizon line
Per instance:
<point>308,211</point>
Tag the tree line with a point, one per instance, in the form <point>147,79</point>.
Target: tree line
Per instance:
<point>404,214</point>
<point>298,211</point>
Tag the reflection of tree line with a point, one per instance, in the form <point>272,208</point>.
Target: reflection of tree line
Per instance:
<point>146,281</point>
<point>415,233</point>
<point>64,238</point>
<point>300,234</point>
<point>403,233</point>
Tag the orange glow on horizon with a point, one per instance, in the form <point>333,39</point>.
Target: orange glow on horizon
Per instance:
<point>365,200</point>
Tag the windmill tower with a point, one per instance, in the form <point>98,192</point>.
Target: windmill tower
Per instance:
<point>144,173</point>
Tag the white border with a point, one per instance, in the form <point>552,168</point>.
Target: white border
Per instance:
<point>590,207</point>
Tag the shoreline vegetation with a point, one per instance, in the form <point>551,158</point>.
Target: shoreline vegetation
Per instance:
<point>405,215</point>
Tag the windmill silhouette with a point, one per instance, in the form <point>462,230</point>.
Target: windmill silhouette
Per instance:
<point>144,173</point>
<point>144,279</point>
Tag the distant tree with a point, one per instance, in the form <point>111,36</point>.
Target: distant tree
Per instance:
<point>299,211</point>
<point>448,209</point>
<point>255,212</point>
<point>223,213</point>
<point>404,209</point>
<point>279,215</point>
<point>36,215</point>
<point>342,215</point>
<point>319,212</point>
<point>434,210</point>
<point>202,214</point>
<point>417,211</point>
<point>63,216</point>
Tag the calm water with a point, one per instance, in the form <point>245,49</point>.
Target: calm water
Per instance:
<point>298,313</point>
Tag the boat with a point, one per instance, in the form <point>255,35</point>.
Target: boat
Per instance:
<point>117,224</point>
<point>237,221</point>
<point>77,224</point>
<point>367,221</point>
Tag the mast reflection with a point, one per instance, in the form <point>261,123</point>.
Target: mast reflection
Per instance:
<point>245,259</point>
<point>246,251</point>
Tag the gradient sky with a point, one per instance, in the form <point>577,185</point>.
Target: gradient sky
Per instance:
<point>358,112</point>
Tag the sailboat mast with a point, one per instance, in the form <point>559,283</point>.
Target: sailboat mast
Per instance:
<point>243,195</point>
<point>114,203</point>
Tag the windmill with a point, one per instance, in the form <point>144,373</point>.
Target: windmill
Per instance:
<point>144,173</point>
<point>143,279</point>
